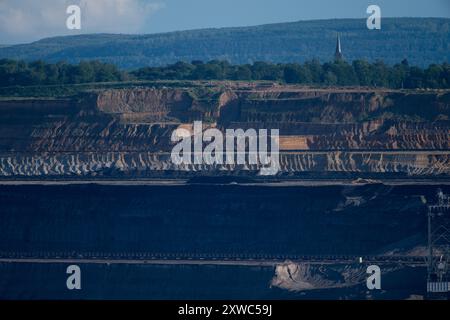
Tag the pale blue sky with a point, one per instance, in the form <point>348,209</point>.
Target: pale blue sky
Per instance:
<point>29,20</point>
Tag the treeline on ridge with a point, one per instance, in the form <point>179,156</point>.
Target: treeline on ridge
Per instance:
<point>341,73</point>
<point>21,73</point>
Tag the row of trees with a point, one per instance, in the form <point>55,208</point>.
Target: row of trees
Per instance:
<point>358,73</point>
<point>21,73</point>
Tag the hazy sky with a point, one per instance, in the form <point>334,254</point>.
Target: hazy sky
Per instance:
<point>29,20</point>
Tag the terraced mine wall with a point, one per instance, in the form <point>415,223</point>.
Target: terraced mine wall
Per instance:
<point>213,221</point>
<point>148,281</point>
<point>323,132</point>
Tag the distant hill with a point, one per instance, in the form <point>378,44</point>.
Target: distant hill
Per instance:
<point>421,40</point>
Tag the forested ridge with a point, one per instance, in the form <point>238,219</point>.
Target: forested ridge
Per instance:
<point>422,41</point>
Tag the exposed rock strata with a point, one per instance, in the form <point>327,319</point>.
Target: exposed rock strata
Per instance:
<point>323,131</point>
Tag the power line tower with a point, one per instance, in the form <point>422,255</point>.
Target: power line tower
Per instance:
<point>438,281</point>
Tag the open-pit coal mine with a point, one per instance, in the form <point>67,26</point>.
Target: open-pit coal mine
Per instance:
<point>88,179</point>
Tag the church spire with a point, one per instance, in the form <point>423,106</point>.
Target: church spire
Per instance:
<point>338,54</point>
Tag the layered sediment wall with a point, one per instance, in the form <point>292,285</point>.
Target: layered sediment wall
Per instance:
<point>126,132</point>
<point>209,221</point>
<point>139,164</point>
